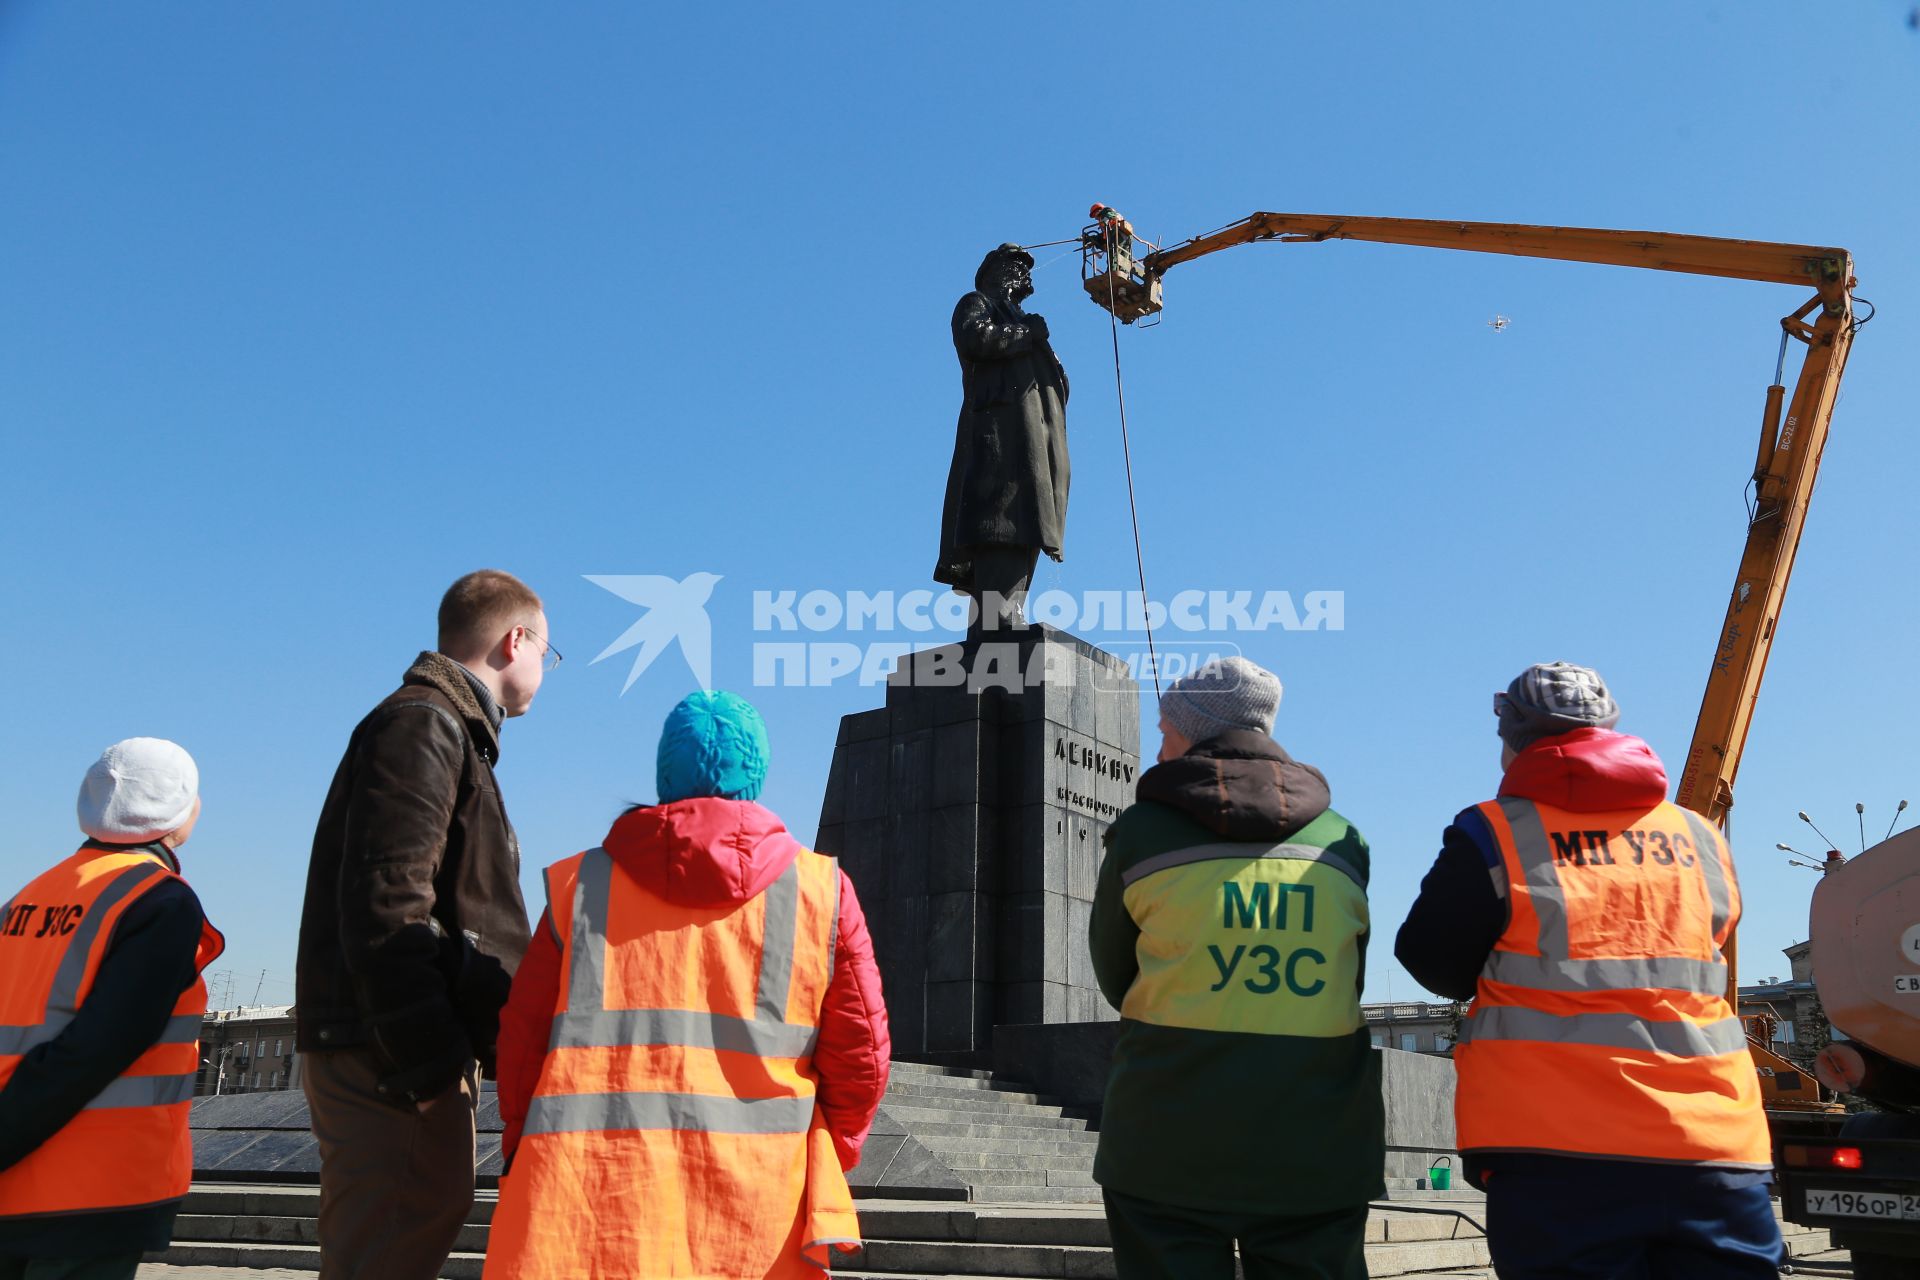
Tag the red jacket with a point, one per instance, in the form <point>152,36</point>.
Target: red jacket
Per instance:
<point>700,853</point>
<point>1588,771</point>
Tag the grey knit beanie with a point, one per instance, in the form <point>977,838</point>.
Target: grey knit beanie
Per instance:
<point>1227,693</point>
<point>1553,697</point>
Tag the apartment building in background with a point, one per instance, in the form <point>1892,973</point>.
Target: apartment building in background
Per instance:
<point>1414,1026</point>
<point>247,1050</point>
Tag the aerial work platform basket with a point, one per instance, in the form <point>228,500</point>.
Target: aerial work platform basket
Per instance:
<point>1111,270</point>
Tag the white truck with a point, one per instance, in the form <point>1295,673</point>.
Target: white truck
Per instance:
<point>1864,1185</point>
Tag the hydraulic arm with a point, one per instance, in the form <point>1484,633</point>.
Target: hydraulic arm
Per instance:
<point>1793,428</point>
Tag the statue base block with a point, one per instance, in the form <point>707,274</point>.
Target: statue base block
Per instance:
<point>969,811</point>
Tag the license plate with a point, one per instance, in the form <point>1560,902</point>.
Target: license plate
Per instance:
<point>1890,1206</point>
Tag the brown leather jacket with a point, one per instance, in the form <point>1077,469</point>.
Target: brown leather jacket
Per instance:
<point>414,923</point>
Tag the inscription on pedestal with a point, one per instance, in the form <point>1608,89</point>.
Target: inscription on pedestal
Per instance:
<point>1078,754</point>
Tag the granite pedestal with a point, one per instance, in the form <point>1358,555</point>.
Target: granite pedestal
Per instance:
<point>969,811</point>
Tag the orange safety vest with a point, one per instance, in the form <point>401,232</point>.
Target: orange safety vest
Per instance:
<point>673,1130</point>
<point>1600,1026</point>
<point>129,1147</point>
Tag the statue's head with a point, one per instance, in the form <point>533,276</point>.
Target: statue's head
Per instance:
<point>1006,271</point>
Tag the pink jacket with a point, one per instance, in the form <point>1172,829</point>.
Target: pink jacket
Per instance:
<point>702,852</point>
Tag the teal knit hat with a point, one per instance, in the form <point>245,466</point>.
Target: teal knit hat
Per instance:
<point>714,744</point>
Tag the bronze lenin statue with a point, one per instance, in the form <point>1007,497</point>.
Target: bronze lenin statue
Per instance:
<point>1007,488</point>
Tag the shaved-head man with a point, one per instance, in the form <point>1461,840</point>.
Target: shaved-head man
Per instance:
<point>412,930</point>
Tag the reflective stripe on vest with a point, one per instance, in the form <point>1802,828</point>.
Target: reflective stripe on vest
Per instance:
<point>588,1023</point>
<point>610,1027</point>
<point>1610,1030</point>
<point>1609,982</point>
<point>129,1146</point>
<point>698,1113</point>
<point>1555,969</point>
<point>712,1107</point>
<point>1211,852</point>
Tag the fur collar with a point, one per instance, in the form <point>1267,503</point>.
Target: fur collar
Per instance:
<point>438,671</point>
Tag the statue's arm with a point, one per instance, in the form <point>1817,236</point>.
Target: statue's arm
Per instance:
<point>979,335</point>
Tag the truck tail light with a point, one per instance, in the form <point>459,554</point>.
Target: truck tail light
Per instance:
<point>1801,1157</point>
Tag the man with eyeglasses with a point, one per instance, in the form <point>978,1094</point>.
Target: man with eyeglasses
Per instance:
<point>412,930</point>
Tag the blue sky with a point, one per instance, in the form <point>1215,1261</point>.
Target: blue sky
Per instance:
<point>305,310</point>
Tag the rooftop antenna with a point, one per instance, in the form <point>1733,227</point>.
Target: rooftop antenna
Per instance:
<point>1816,830</point>
<point>1860,816</point>
<point>258,985</point>
<point>1896,820</point>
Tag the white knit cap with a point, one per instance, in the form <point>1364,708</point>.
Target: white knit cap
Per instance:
<point>138,790</point>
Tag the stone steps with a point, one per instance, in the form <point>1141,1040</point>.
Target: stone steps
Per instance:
<point>1062,1142</point>
<point>942,1086</point>
<point>237,1255</point>
<point>979,1103</point>
<point>960,1160</point>
<point>997,1180</point>
<point>840,1268</point>
<point>1085,1197</point>
<point>996,1140</point>
<point>259,1227</point>
<point>1015,1167</point>
<point>882,1258</point>
<point>969,1258</point>
<point>913,1069</point>
<point>245,1200</point>
<point>982,1102</point>
<point>256,1227</point>
<point>987,1224</point>
<point>921,1122</point>
<point>218,1229</point>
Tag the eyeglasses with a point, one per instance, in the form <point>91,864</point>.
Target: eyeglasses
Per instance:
<point>550,656</point>
<point>1500,701</point>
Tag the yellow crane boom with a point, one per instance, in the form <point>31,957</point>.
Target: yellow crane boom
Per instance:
<point>1793,429</point>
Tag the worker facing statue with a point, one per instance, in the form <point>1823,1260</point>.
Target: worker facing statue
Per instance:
<point>1006,496</point>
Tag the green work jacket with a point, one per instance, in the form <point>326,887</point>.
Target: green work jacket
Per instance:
<point>1243,1078</point>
